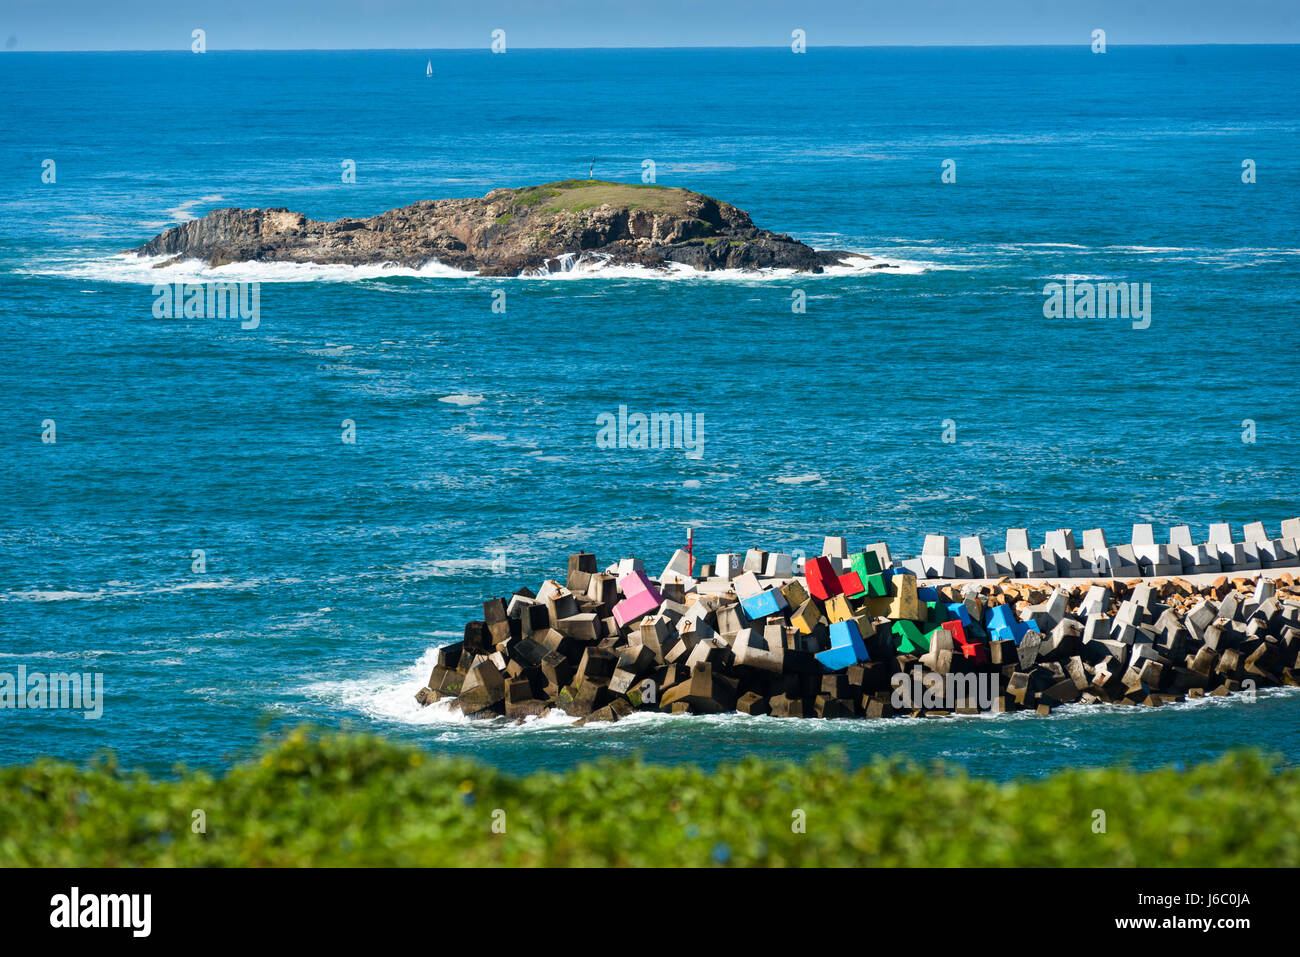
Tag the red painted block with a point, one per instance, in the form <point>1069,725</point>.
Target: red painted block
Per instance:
<point>823,583</point>
<point>975,650</point>
<point>851,584</point>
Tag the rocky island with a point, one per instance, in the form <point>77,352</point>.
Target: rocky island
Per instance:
<point>508,232</point>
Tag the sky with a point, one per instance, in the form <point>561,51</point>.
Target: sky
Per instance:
<point>449,24</point>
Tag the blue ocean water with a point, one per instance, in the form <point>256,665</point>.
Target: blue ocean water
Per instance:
<point>333,570</point>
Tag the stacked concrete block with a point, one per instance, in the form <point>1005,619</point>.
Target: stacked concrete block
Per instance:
<point>1230,555</point>
<point>1194,559</point>
<point>1026,562</point>
<point>935,561</point>
<point>1280,552</point>
<point>729,565</point>
<point>829,644</point>
<point>640,598</point>
<point>1070,562</point>
<point>1153,559</point>
<point>779,565</point>
<point>836,549</point>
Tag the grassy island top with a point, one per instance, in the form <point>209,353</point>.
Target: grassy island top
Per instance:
<point>575,195</point>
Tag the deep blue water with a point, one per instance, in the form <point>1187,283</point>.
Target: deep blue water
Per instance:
<point>333,569</point>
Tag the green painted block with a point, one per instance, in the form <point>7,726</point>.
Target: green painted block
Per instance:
<point>877,587</point>
<point>936,613</point>
<point>865,564</point>
<point>910,637</point>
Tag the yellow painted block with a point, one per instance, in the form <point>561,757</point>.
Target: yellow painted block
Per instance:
<point>794,594</point>
<point>866,627</point>
<point>905,605</point>
<point>878,607</point>
<point>837,608</point>
<point>807,617</point>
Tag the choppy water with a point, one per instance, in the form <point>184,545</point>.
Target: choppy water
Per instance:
<point>333,569</point>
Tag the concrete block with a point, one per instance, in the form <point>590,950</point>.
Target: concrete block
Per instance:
<point>847,647</point>
<point>767,602</point>
<point>806,617</point>
<point>938,566</point>
<point>755,650</point>
<point>935,545</point>
<point>1000,620</point>
<point>910,638</point>
<point>998,565</point>
<point>904,603</point>
<point>912,566</point>
<point>627,566</point>
<point>971,546</point>
<point>640,598</point>
<point>746,585</point>
<point>838,609</point>
<point>729,565</point>
<point>852,585</point>
<point>1096,601</point>
<point>1291,528</point>
<point>835,547</point>
<point>1254,532</point>
<point>1117,562</point>
<point>755,560</point>
<point>795,594</point>
<point>1279,553</point>
<point>1093,540</point>
<point>823,581</point>
<point>1027,563</point>
<point>779,565</point>
<point>881,551</point>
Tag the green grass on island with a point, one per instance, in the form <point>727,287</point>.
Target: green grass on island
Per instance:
<point>575,195</point>
<point>344,799</point>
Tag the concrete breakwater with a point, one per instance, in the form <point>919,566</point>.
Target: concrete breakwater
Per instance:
<point>854,634</point>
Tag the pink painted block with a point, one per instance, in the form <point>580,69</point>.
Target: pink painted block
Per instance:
<point>636,583</point>
<point>635,605</point>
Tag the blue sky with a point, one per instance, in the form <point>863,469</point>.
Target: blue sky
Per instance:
<point>435,24</point>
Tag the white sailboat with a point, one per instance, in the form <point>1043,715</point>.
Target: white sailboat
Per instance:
<point>428,69</point>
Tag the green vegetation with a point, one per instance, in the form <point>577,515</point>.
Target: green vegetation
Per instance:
<point>575,195</point>
<point>351,799</point>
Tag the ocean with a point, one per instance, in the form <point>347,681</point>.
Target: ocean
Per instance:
<point>199,534</point>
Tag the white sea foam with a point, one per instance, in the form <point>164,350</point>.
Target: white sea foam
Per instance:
<point>130,268</point>
<point>150,270</point>
<point>461,399</point>
<point>125,591</point>
<point>799,479</point>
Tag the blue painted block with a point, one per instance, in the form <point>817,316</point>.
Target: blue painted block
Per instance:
<point>837,659</point>
<point>927,593</point>
<point>763,604</point>
<point>847,647</point>
<point>959,611</point>
<point>999,617</point>
<point>1001,623</point>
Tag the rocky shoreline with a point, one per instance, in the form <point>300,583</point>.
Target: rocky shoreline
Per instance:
<point>509,232</point>
<point>854,635</point>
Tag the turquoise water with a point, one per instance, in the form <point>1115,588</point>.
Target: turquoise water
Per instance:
<point>332,570</point>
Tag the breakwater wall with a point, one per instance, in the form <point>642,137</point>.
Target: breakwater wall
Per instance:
<point>855,634</point>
